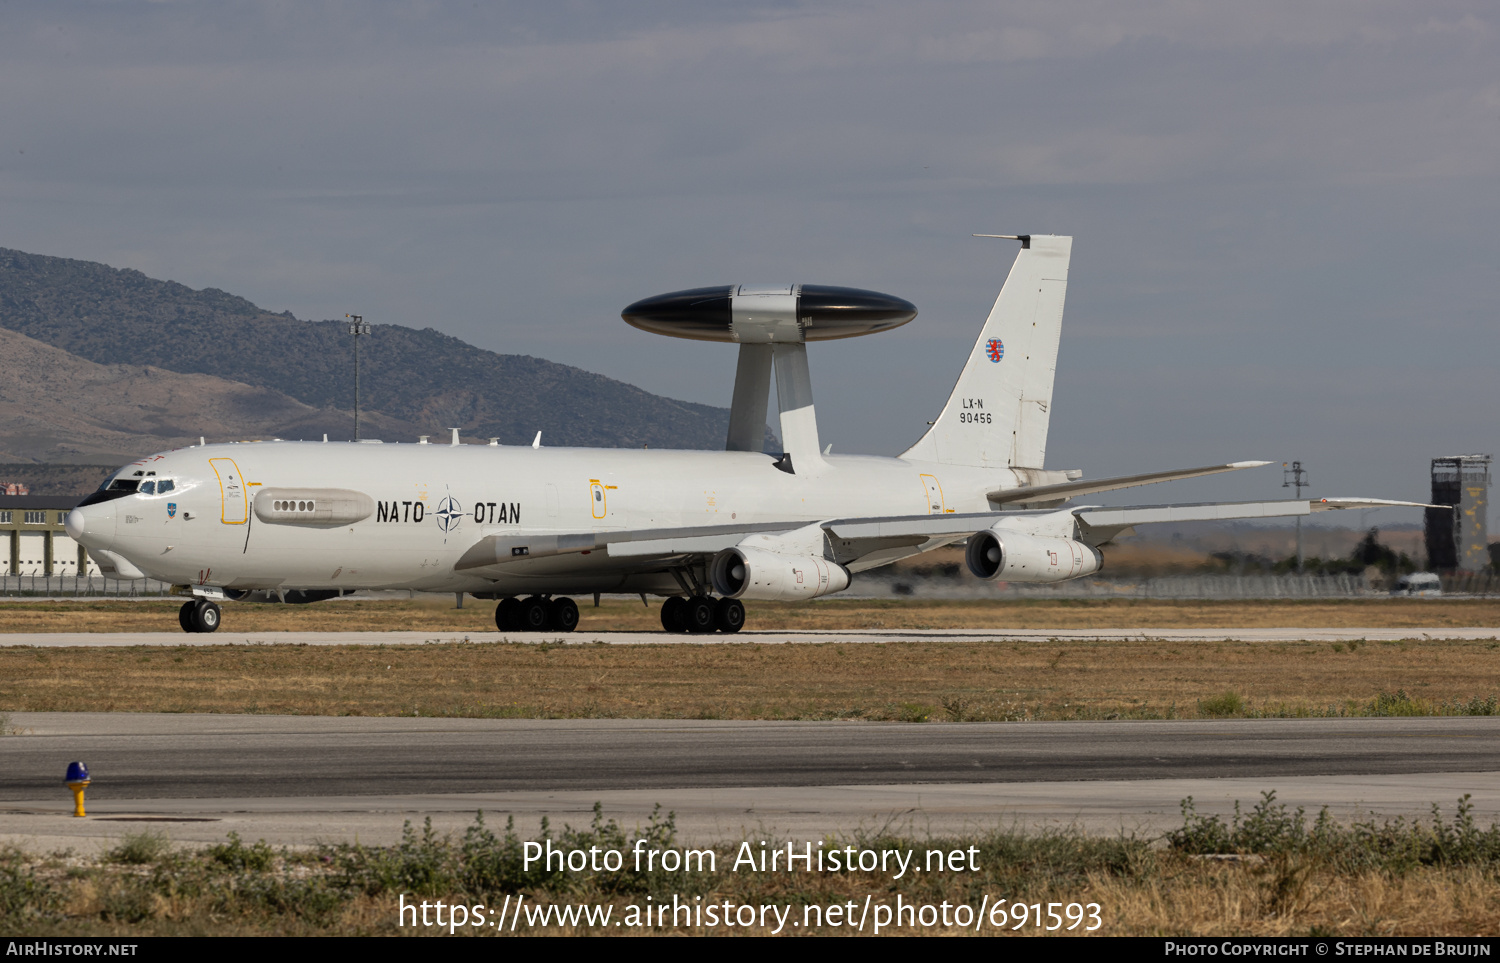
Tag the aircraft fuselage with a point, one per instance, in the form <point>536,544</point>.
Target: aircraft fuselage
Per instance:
<point>431,503</point>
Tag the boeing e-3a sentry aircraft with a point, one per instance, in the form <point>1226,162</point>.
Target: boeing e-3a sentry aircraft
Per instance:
<point>531,526</point>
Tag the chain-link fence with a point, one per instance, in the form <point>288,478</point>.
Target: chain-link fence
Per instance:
<point>80,586</point>
<point>877,585</point>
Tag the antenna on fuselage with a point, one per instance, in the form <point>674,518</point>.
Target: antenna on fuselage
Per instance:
<point>537,441</point>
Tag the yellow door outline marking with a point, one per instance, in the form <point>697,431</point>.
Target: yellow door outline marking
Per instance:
<point>596,498</point>
<point>232,488</point>
<point>929,485</point>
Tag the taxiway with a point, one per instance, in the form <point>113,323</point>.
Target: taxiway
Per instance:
<point>299,779</point>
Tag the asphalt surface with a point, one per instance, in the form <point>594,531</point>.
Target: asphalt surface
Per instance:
<point>299,780</point>
<point>146,756</point>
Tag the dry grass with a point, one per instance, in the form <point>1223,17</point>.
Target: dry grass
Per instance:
<point>1140,889</point>
<point>911,681</point>
<point>1246,900</point>
<point>1185,900</point>
<point>438,614</point>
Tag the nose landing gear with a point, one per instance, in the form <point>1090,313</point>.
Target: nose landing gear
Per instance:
<point>198,615</point>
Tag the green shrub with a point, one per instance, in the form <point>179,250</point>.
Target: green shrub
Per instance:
<point>1221,706</point>
<point>235,855</point>
<point>21,894</point>
<point>1399,704</point>
<point>1394,845</point>
<point>483,863</point>
<point>138,849</point>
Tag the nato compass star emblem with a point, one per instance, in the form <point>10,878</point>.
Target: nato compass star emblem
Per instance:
<point>449,513</point>
<point>995,350</point>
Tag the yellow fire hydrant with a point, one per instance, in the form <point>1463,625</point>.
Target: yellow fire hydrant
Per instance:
<point>77,780</point>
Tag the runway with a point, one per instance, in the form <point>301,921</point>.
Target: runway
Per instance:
<point>751,637</point>
<point>295,779</point>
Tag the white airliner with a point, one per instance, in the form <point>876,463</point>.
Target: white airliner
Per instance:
<point>530,526</point>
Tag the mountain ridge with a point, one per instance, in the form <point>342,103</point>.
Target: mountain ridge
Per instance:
<point>413,377</point>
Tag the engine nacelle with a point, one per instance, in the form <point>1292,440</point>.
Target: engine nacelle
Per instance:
<point>1015,557</point>
<point>754,573</point>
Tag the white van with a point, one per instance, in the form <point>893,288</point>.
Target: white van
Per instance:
<point>1419,583</point>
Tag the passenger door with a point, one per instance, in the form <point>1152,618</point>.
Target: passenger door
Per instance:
<point>234,503</point>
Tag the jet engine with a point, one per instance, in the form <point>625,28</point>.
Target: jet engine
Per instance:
<point>1016,557</point>
<point>754,573</point>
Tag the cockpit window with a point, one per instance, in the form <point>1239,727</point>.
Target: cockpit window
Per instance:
<point>141,483</point>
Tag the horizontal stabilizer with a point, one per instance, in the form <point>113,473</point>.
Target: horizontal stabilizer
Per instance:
<point>1047,493</point>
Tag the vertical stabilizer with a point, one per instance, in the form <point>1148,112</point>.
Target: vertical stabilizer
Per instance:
<point>998,413</point>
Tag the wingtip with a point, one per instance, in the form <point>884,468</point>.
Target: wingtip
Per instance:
<point>1318,504</point>
<point>1248,464</point>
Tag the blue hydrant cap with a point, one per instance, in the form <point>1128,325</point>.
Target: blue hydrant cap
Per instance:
<point>77,772</point>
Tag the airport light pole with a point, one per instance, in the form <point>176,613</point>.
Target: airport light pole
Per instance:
<point>1293,476</point>
<point>357,327</point>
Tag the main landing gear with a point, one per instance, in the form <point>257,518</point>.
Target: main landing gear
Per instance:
<point>198,615</point>
<point>701,614</point>
<point>536,614</point>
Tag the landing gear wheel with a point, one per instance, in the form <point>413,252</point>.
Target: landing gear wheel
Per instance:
<point>508,615</point>
<point>564,615</point>
<point>536,614</point>
<point>185,615</point>
<point>698,614</point>
<point>205,616</point>
<point>729,615</point>
<point>672,614</point>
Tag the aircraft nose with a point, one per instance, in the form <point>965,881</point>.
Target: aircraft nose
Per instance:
<point>92,526</point>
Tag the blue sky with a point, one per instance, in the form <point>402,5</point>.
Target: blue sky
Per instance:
<point>1285,212</point>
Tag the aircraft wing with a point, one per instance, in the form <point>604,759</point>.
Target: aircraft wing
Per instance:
<point>860,544</point>
<point>1052,493</point>
<point>1099,525</point>
<point>501,550</point>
